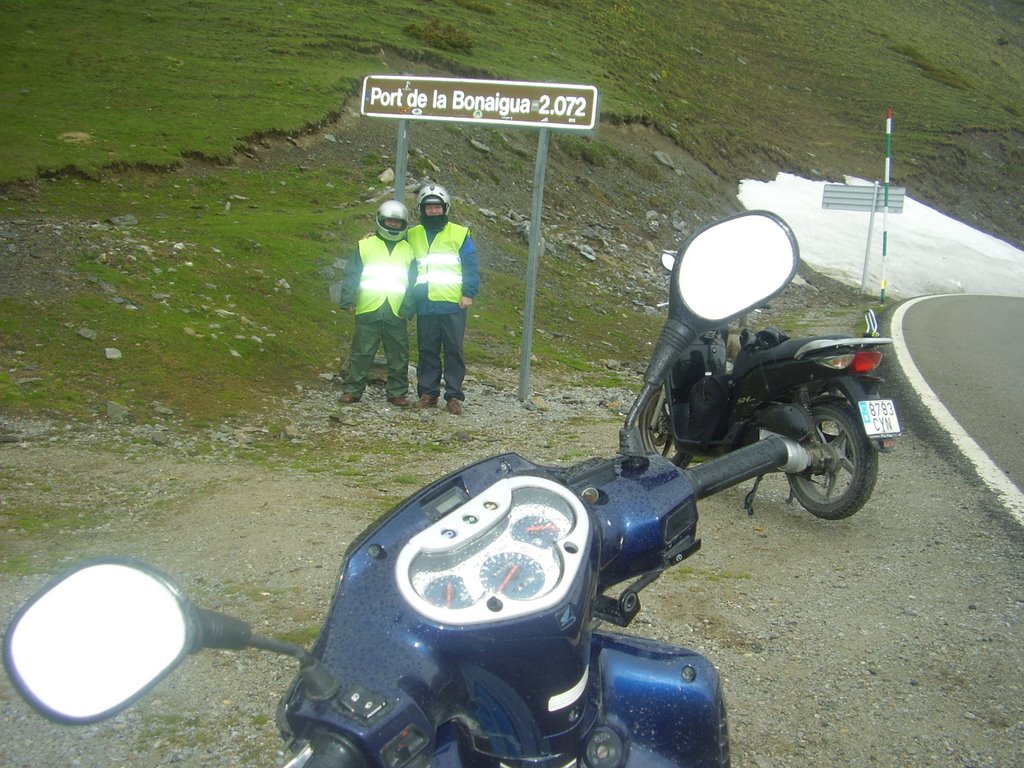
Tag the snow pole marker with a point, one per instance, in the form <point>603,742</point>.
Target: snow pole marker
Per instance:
<point>885,198</point>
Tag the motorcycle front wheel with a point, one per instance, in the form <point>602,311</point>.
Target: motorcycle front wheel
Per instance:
<point>838,486</point>
<point>655,422</point>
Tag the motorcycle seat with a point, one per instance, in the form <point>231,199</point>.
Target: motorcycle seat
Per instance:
<point>794,349</point>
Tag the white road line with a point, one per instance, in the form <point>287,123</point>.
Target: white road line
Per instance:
<point>1009,494</point>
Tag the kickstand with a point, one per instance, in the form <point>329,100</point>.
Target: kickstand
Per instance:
<point>748,500</point>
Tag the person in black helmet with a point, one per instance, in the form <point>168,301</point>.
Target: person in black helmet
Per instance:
<point>375,288</point>
<point>447,280</point>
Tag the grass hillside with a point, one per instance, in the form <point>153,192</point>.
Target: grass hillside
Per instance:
<point>151,82</point>
<point>216,297</point>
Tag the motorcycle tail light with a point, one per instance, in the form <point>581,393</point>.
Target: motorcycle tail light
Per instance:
<point>836,362</point>
<point>865,361</point>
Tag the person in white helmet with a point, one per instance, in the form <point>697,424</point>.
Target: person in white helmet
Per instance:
<point>375,288</point>
<point>447,281</point>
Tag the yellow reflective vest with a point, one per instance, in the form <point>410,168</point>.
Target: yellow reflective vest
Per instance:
<point>385,275</point>
<point>438,263</point>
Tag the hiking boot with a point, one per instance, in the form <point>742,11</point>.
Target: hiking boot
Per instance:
<point>347,399</point>
<point>399,401</point>
<point>454,407</point>
<point>427,401</point>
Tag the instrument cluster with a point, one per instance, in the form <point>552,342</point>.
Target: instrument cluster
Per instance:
<point>512,550</point>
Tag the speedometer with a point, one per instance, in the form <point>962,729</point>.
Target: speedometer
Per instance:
<point>514,575</point>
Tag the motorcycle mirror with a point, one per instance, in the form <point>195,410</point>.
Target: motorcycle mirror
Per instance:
<point>97,638</point>
<point>668,260</point>
<point>727,268</point>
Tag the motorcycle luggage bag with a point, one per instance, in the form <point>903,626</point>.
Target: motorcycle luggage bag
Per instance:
<point>709,409</point>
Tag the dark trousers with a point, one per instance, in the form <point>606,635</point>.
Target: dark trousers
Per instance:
<point>440,341</point>
<point>371,329</point>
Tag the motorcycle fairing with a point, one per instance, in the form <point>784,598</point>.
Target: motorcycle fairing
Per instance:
<point>499,679</point>
<point>664,703</point>
<point>669,700</point>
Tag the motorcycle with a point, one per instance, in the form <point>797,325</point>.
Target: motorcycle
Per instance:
<point>467,628</point>
<point>821,391</point>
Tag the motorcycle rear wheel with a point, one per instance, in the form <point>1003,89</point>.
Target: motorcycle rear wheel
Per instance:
<point>655,422</point>
<point>842,484</point>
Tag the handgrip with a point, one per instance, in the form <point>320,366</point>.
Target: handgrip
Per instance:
<point>752,461</point>
<point>334,751</point>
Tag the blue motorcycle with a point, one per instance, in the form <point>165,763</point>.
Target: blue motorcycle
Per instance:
<point>473,625</point>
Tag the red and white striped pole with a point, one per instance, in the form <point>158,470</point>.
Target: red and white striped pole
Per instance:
<point>885,199</point>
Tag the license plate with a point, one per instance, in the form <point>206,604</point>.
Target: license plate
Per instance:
<point>879,418</point>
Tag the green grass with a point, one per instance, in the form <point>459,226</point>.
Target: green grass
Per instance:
<point>119,83</point>
<point>685,573</point>
<point>170,729</point>
<point>835,320</point>
<point>217,298</point>
<point>206,299</point>
<point>123,80</point>
<point>34,520</point>
<point>303,636</point>
<point>22,564</point>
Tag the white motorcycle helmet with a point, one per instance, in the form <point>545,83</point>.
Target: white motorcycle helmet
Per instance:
<point>392,209</point>
<point>433,193</point>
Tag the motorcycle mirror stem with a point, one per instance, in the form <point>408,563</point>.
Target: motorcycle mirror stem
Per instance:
<point>220,631</point>
<point>675,337</point>
<point>99,636</point>
<point>721,271</point>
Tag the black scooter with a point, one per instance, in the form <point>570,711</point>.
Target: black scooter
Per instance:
<point>820,391</point>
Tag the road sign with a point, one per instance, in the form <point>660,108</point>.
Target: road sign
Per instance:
<point>496,102</point>
<point>861,197</point>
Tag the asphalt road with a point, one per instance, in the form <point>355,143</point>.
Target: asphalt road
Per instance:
<point>968,352</point>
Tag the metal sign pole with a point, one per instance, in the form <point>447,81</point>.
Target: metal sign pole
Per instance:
<point>532,263</point>
<point>401,160</point>
<point>867,247</point>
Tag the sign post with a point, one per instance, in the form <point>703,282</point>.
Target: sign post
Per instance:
<point>543,106</point>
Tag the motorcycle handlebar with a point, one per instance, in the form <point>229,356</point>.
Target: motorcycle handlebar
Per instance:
<point>733,468</point>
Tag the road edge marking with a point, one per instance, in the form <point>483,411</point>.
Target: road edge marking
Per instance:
<point>997,480</point>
